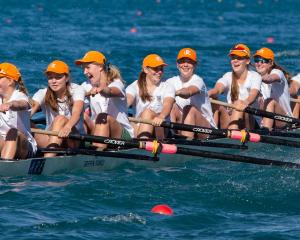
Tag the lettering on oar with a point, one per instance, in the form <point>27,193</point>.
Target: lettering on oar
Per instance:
<point>114,142</point>
<point>36,166</point>
<point>282,118</point>
<point>201,130</point>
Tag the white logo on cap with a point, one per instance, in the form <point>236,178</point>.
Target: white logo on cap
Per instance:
<point>187,52</point>
<point>2,71</point>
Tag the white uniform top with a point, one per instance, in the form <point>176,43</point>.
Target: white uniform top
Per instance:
<point>162,91</point>
<point>117,106</point>
<point>200,100</point>
<point>17,119</point>
<point>280,92</point>
<point>64,109</point>
<point>253,81</point>
<point>97,103</point>
<point>296,78</point>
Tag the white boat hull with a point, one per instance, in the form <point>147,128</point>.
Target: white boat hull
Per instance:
<point>48,166</point>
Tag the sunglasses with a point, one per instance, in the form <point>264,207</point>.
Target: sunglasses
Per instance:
<point>157,69</point>
<point>235,57</point>
<point>185,60</point>
<point>261,60</point>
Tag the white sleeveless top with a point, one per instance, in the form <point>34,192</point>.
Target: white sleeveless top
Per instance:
<point>77,93</point>
<point>200,100</point>
<point>162,91</point>
<point>280,92</point>
<point>17,119</point>
<point>252,81</point>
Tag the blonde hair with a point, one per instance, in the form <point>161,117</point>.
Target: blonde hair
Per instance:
<point>21,86</point>
<point>112,73</point>
<point>51,99</point>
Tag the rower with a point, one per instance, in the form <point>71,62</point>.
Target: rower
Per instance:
<point>242,86</point>
<point>107,99</point>
<point>16,140</point>
<point>151,97</point>
<point>192,104</point>
<point>62,103</point>
<point>274,88</point>
<point>294,92</point>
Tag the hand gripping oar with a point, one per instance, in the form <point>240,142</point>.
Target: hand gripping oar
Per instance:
<point>241,135</point>
<point>261,113</point>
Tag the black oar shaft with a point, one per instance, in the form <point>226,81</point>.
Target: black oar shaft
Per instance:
<point>236,158</point>
<point>71,151</point>
<point>279,141</point>
<point>271,115</point>
<point>195,129</point>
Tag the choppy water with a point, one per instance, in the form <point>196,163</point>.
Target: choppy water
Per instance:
<point>211,200</point>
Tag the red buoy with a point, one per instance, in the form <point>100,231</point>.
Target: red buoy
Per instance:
<point>162,209</point>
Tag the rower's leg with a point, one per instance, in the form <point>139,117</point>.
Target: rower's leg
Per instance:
<point>236,120</point>
<point>106,126</point>
<point>146,130</point>
<point>16,145</point>
<point>54,141</point>
<point>88,123</point>
<point>296,108</point>
<point>176,114</point>
<point>193,116</point>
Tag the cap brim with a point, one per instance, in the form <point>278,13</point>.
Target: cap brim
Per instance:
<point>238,53</point>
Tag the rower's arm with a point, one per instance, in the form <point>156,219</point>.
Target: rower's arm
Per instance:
<point>270,78</point>
<point>187,92</point>
<point>167,107</point>
<point>217,90</point>
<point>294,87</point>
<point>35,107</point>
<point>130,100</point>
<point>76,113</point>
<point>252,96</point>
<point>19,105</point>
<point>111,92</point>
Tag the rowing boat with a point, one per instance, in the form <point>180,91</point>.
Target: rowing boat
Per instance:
<point>58,164</point>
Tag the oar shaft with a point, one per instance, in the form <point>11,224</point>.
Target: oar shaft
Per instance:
<point>261,113</point>
<point>236,158</point>
<point>91,138</point>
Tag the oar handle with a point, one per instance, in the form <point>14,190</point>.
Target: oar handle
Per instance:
<point>42,131</point>
<point>218,102</point>
<point>140,120</point>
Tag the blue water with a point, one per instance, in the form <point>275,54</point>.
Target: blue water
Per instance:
<point>211,200</point>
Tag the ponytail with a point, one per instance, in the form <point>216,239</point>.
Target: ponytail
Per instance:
<point>145,96</point>
<point>112,73</point>
<point>234,93</point>
<point>22,86</point>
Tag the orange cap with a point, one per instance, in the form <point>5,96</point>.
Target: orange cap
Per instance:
<point>9,70</point>
<point>58,66</point>
<point>240,50</point>
<point>92,56</point>
<point>187,53</point>
<point>266,53</point>
<point>153,60</point>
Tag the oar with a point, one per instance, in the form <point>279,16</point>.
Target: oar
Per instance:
<point>153,146</point>
<point>72,151</point>
<point>261,113</point>
<point>195,142</point>
<point>232,134</point>
<point>236,158</point>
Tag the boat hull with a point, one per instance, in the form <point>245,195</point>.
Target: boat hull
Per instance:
<point>48,166</point>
